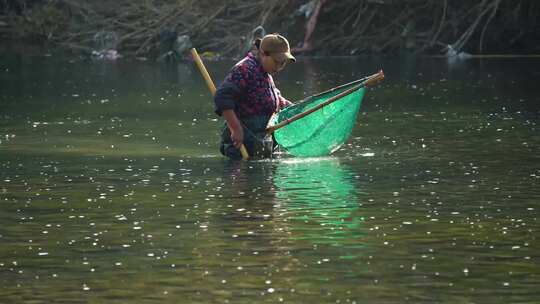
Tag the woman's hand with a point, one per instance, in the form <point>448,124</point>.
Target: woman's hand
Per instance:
<point>237,132</point>
<point>237,137</point>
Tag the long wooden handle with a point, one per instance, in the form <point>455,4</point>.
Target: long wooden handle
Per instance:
<point>204,72</point>
<point>212,88</point>
<point>373,79</point>
<point>369,81</point>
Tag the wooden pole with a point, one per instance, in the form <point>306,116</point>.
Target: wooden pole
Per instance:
<point>212,88</point>
<point>336,88</point>
<point>371,80</point>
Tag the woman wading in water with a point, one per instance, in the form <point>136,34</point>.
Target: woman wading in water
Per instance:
<point>248,97</point>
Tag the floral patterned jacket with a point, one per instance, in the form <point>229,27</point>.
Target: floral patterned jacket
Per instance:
<point>249,91</point>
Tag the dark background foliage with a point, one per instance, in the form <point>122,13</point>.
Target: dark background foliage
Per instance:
<point>345,27</point>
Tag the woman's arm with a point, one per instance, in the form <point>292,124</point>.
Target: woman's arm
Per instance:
<point>284,102</point>
<point>237,132</point>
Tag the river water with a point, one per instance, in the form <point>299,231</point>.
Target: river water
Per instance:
<point>112,189</point>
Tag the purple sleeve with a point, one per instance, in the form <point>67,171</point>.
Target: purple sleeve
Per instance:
<point>225,98</point>
<point>283,102</point>
<point>229,91</point>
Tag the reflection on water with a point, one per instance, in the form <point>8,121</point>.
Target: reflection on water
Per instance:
<point>320,199</point>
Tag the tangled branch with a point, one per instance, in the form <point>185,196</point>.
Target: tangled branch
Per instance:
<point>152,27</point>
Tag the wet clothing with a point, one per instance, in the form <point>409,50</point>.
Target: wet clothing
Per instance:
<point>252,94</point>
<point>257,142</point>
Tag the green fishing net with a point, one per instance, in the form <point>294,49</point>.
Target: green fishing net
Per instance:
<point>323,131</point>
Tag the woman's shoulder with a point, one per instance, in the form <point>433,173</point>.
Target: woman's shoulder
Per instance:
<point>249,62</point>
<point>245,68</point>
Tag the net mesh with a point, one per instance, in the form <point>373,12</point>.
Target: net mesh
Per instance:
<point>323,131</point>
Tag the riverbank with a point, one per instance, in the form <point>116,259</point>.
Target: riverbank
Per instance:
<point>165,29</point>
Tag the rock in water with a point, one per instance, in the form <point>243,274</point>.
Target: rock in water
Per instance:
<point>182,44</point>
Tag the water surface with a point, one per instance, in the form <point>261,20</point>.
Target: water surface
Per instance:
<point>112,189</point>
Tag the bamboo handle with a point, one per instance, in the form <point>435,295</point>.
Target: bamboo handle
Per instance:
<point>296,117</point>
<point>372,80</point>
<point>203,71</point>
<point>244,152</point>
<point>212,88</point>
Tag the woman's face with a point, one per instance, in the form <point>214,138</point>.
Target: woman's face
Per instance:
<point>271,65</point>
